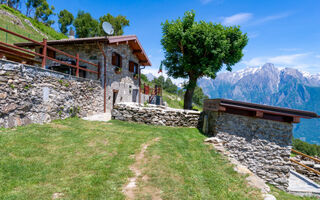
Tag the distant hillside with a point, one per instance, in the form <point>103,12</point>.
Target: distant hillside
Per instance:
<point>26,26</point>
<point>272,86</point>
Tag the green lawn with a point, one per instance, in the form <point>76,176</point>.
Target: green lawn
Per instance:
<point>91,160</point>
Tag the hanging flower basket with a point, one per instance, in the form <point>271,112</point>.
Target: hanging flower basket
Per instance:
<point>118,70</point>
<point>136,76</point>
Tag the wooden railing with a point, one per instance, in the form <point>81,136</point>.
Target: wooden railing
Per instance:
<point>152,91</point>
<point>19,51</point>
<point>307,156</point>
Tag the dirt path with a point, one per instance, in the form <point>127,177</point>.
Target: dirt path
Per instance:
<point>130,189</point>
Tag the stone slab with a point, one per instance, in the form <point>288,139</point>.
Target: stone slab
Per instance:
<point>303,186</point>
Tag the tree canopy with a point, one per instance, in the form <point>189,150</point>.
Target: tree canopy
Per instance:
<point>85,25</point>
<point>43,13</point>
<point>196,49</point>
<point>11,3</point>
<point>118,23</point>
<point>65,20</point>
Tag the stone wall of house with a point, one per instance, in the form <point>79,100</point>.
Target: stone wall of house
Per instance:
<point>261,145</point>
<point>155,115</point>
<point>34,95</point>
<point>124,83</point>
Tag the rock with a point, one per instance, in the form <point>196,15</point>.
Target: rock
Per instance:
<point>308,163</point>
<point>213,140</point>
<point>3,95</point>
<point>23,103</point>
<point>269,197</point>
<point>9,108</point>
<point>156,115</point>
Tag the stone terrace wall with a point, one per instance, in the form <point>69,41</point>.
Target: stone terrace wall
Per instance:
<point>262,145</point>
<point>34,95</point>
<point>156,115</point>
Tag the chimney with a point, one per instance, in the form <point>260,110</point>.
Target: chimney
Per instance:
<point>71,34</point>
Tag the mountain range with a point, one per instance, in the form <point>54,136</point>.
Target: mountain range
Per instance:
<point>269,85</point>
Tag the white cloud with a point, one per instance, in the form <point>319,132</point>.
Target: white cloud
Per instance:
<point>271,18</point>
<point>303,61</point>
<point>253,35</point>
<point>237,19</point>
<point>287,59</point>
<point>289,49</point>
<point>291,59</point>
<point>242,18</point>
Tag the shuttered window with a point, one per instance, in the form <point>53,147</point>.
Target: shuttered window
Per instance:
<point>116,59</point>
<point>131,66</point>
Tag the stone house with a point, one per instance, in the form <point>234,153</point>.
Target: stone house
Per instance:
<point>120,58</point>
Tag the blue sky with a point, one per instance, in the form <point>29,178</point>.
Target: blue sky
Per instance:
<point>286,32</point>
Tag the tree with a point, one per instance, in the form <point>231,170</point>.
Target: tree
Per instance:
<point>43,13</point>
<point>170,87</point>
<point>118,23</point>
<point>196,49</point>
<point>85,25</point>
<point>65,20</point>
<point>158,81</point>
<point>199,96</point>
<point>11,3</point>
<point>31,5</point>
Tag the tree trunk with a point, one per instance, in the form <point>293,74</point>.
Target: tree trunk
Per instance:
<point>189,93</point>
<point>188,98</point>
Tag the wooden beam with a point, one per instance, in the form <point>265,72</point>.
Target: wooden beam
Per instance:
<point>136,51</point>
<point>309,168</point>
<point>222,108</point>
<point>296,120</point>
<point>305,155</point>
<point>259,114</point>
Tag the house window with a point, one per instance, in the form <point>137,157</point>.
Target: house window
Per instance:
<point>116,59</point>
<point>133,67</point>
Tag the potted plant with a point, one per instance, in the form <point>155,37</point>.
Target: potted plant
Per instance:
<point>136,76</point>
<point>118,70</point>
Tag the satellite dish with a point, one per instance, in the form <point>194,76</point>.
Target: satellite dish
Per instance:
<point>107,27</point>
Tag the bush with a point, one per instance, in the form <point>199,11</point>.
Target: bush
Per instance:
<point>306,148</point>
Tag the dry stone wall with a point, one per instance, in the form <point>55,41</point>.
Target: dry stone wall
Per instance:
<point>155,115</point>
<point>34,95</point>
<point>261,145</point>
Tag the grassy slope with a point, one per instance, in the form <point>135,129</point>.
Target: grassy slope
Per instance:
<point>90,160</point>
<point>27,30</point>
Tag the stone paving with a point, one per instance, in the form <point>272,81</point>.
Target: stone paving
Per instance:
<point>302,186</point>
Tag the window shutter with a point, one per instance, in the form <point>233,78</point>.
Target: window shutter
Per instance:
<point>136,68</point>
<point>114,59</point>
<point>120,61</point>
<point>131,66</point>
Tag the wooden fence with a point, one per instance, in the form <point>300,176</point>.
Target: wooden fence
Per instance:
<point>157,90</point>
<point>29,55</point>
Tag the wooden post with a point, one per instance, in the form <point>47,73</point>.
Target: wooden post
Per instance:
<point>44,53</point>
<point>77,65</point>
<point>139,74</point>
<point>105,84</point>
<point>99,70</point>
